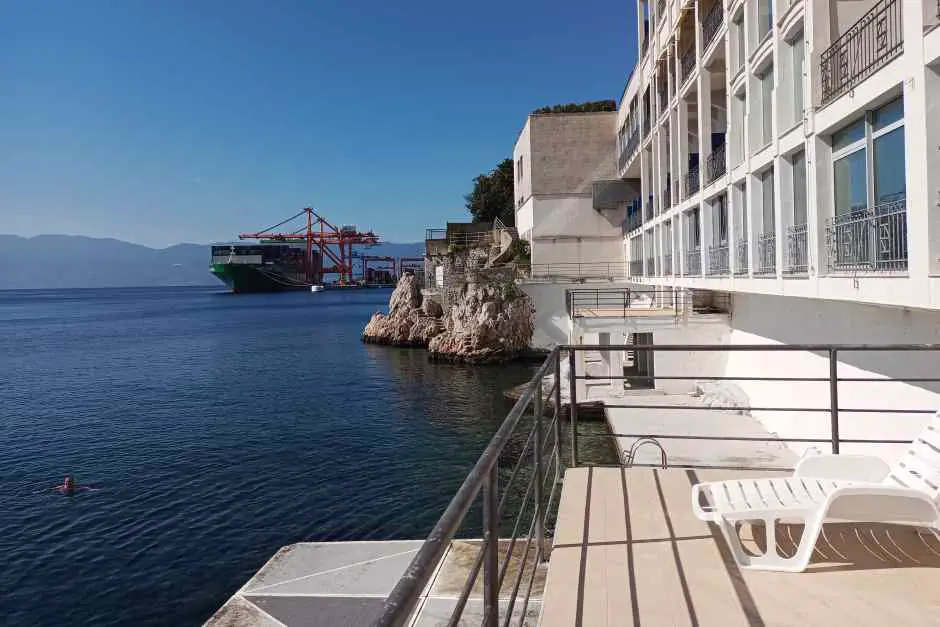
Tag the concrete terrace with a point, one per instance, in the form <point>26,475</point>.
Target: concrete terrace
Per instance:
<point>628,551</point>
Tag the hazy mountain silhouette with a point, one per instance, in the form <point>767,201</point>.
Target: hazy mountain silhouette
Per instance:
<point>68,261</point>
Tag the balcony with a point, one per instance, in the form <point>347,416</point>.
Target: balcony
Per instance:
<point>711,23</point>
<point>646,125</point>
<point>629,149</point>
<point>715,164</point>
<point>636,268</point>
<point>718,260</point>
<point>869,240</point>
<point>741,264</point>
<point>691,181</point>
<point>651,266</point>
<point>661,11</point>
<point>871,43</point>
<point>766,254</point>
<point>797,261</point>
<point>687,63</point>
<point>663,101</point>
<point>667,264</point>
<point>667,198</point>
<point>693,262</point>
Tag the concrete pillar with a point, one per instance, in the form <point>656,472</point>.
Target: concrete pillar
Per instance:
<point>922,223</point>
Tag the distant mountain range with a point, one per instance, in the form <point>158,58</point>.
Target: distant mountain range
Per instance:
<point>69,261</point>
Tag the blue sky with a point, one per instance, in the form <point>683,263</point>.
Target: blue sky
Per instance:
<point>193,120</point>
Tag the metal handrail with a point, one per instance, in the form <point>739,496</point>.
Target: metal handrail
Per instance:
<point>876,39</point>
<point>691,180</point>
<point>712,22</point>
<point>715,163</point>
<point>483,479</point>
<point>578,270</point>
<point>869,240</point>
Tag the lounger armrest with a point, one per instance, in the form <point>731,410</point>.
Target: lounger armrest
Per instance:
<point>881,504</point>
<point>862,468</point>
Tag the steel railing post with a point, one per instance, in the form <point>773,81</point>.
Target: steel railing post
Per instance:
<point>557,421</point>
<point>834,399</point>
<point>491,542</point>
<point>537,458</point>
<point>573,407</point>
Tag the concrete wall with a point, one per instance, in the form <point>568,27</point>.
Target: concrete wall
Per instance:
<point>522,180</point>
<point>569,230</point>
<point>698,329</point>
<point>774,320</point>
<point>570,150</point>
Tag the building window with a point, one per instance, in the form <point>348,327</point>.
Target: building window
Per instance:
<point>519,169</point>
<point>868,230</point>
<point>767,200</point>
<point>739,123</point>
<point>766,104</point>
<point>737,41</point>
<point>799,187</point>
<point>797,47</point>
<point>765,19</point>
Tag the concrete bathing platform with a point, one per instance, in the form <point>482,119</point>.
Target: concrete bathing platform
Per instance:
<point>344,584</point>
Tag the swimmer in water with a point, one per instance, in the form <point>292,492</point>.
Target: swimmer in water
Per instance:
<point>68,487</point>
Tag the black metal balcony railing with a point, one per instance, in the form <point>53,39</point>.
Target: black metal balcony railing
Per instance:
<point>691,181</point>
<point>870,240</point>
<point>646,125</point>
<point>648,211</point>
<point>667,198</point>
<point>741,264</point>
<point>766,254</point>
<point>712,22</point>
<point>510,495</point>
<point>663,101</point>
<point>636,268</point>
<point>667,264</point>
<point>629,149</point>
<point>693,262</point>
<point>651,266</point>
<point>718,261</point>
<point>715,163</point>
<point>875,40</point>
<point>634,221</point>
<point>687,62</point>
<point>661,10</point>
<point>797,261</point>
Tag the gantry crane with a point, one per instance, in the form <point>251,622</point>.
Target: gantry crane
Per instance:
<point>335,244</point>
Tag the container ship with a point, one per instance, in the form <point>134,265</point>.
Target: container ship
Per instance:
<point>283,260</point>
<point>264,267</point>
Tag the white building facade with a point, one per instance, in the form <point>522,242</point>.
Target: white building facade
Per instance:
<point>787,153</point>
<point>558,157</point>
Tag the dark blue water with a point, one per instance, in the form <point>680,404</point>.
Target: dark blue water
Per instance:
<point>216,428</point>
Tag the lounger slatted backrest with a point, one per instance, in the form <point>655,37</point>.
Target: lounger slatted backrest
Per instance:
<point>919,467</point>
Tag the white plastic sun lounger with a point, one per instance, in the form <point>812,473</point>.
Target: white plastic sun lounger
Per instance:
<point>827,488</point>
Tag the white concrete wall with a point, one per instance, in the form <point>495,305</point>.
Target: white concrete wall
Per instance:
<point>525,219</point>
<point>569,230</point>
<point>774,320</point>
<point>522,181</point>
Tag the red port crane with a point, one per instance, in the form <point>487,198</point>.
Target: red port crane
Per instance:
<point>335,244</point>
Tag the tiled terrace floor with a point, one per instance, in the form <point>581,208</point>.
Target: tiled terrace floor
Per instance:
<point>628,551</point>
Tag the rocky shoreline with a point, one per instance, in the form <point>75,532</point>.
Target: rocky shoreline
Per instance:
<point>491,322</point>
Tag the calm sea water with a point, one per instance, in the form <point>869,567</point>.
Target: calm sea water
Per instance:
<point>216,428</point>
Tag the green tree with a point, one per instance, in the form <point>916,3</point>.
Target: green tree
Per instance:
<point>492,195</point>
<point>580,107</point>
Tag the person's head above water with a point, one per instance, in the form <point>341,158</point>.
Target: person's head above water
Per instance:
<point>69,484</point>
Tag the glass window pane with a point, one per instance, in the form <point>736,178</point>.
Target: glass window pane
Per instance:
<point>767,95</point>
<point>848,135</point>
<point>767,201</point>
<point>798,52</point>
<point>888,114</point>
<point>799,188</point>
<point>890,181</point>
<point>850,183</point>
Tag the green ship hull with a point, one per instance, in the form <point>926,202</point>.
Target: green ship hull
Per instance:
<point>246,278</point>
